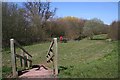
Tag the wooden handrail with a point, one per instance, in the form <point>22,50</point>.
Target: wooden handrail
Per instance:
<point>51,45</point>
<point>19,56</point>
<point>50,58</point>
<point>22,48</point>
<point>52,55</point>
<point>24,60</point>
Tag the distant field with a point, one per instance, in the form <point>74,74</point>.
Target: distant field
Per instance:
<point>83,59</point>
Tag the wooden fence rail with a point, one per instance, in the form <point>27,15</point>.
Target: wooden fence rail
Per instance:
<point>52,55</point>
<point>24,57</point>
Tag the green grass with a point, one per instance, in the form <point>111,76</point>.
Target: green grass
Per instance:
<point>85,56</point>
<point>100,37</point>
<point>83,59</point>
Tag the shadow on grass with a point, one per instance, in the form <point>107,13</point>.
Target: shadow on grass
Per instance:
<point>98,39</point>
<point>64,68</point>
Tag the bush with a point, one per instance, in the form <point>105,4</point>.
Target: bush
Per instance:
<point>93,27</point>
<point>114,29</point>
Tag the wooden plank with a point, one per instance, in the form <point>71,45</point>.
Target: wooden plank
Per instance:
<point>25,62</point>
<point>21,62</point>
<point>50,58</point>
<point>28,63</point>
<point>55,59</point>
<point>51,45</point>
<point>25,58</point>
<point>22,48</point>
<point>23,54</point>
<point>12,47</point>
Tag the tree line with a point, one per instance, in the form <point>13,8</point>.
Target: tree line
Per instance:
<point>35,22</point>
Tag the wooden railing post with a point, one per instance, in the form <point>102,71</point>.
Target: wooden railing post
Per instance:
<point>12,47</point>
<point>55,59</point>
<point>23,62</point>
<point>28,63</point>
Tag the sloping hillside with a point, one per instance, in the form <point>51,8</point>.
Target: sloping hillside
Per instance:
<point>84,58</point>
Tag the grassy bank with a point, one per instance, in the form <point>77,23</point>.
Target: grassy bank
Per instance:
<point>84,58</point>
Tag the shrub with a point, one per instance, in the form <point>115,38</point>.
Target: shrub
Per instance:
<point>114,29</point>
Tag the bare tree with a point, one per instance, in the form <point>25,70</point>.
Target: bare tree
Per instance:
<point>37,14</point>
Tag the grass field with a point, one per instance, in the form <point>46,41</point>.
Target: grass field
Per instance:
<point>83,59</point>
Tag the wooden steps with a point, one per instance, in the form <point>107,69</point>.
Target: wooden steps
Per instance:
<point>33,73</point>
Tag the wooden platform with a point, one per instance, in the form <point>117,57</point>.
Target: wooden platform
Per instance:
<point>33,73</point>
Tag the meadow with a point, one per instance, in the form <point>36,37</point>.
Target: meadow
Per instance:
<point>86,58</point>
